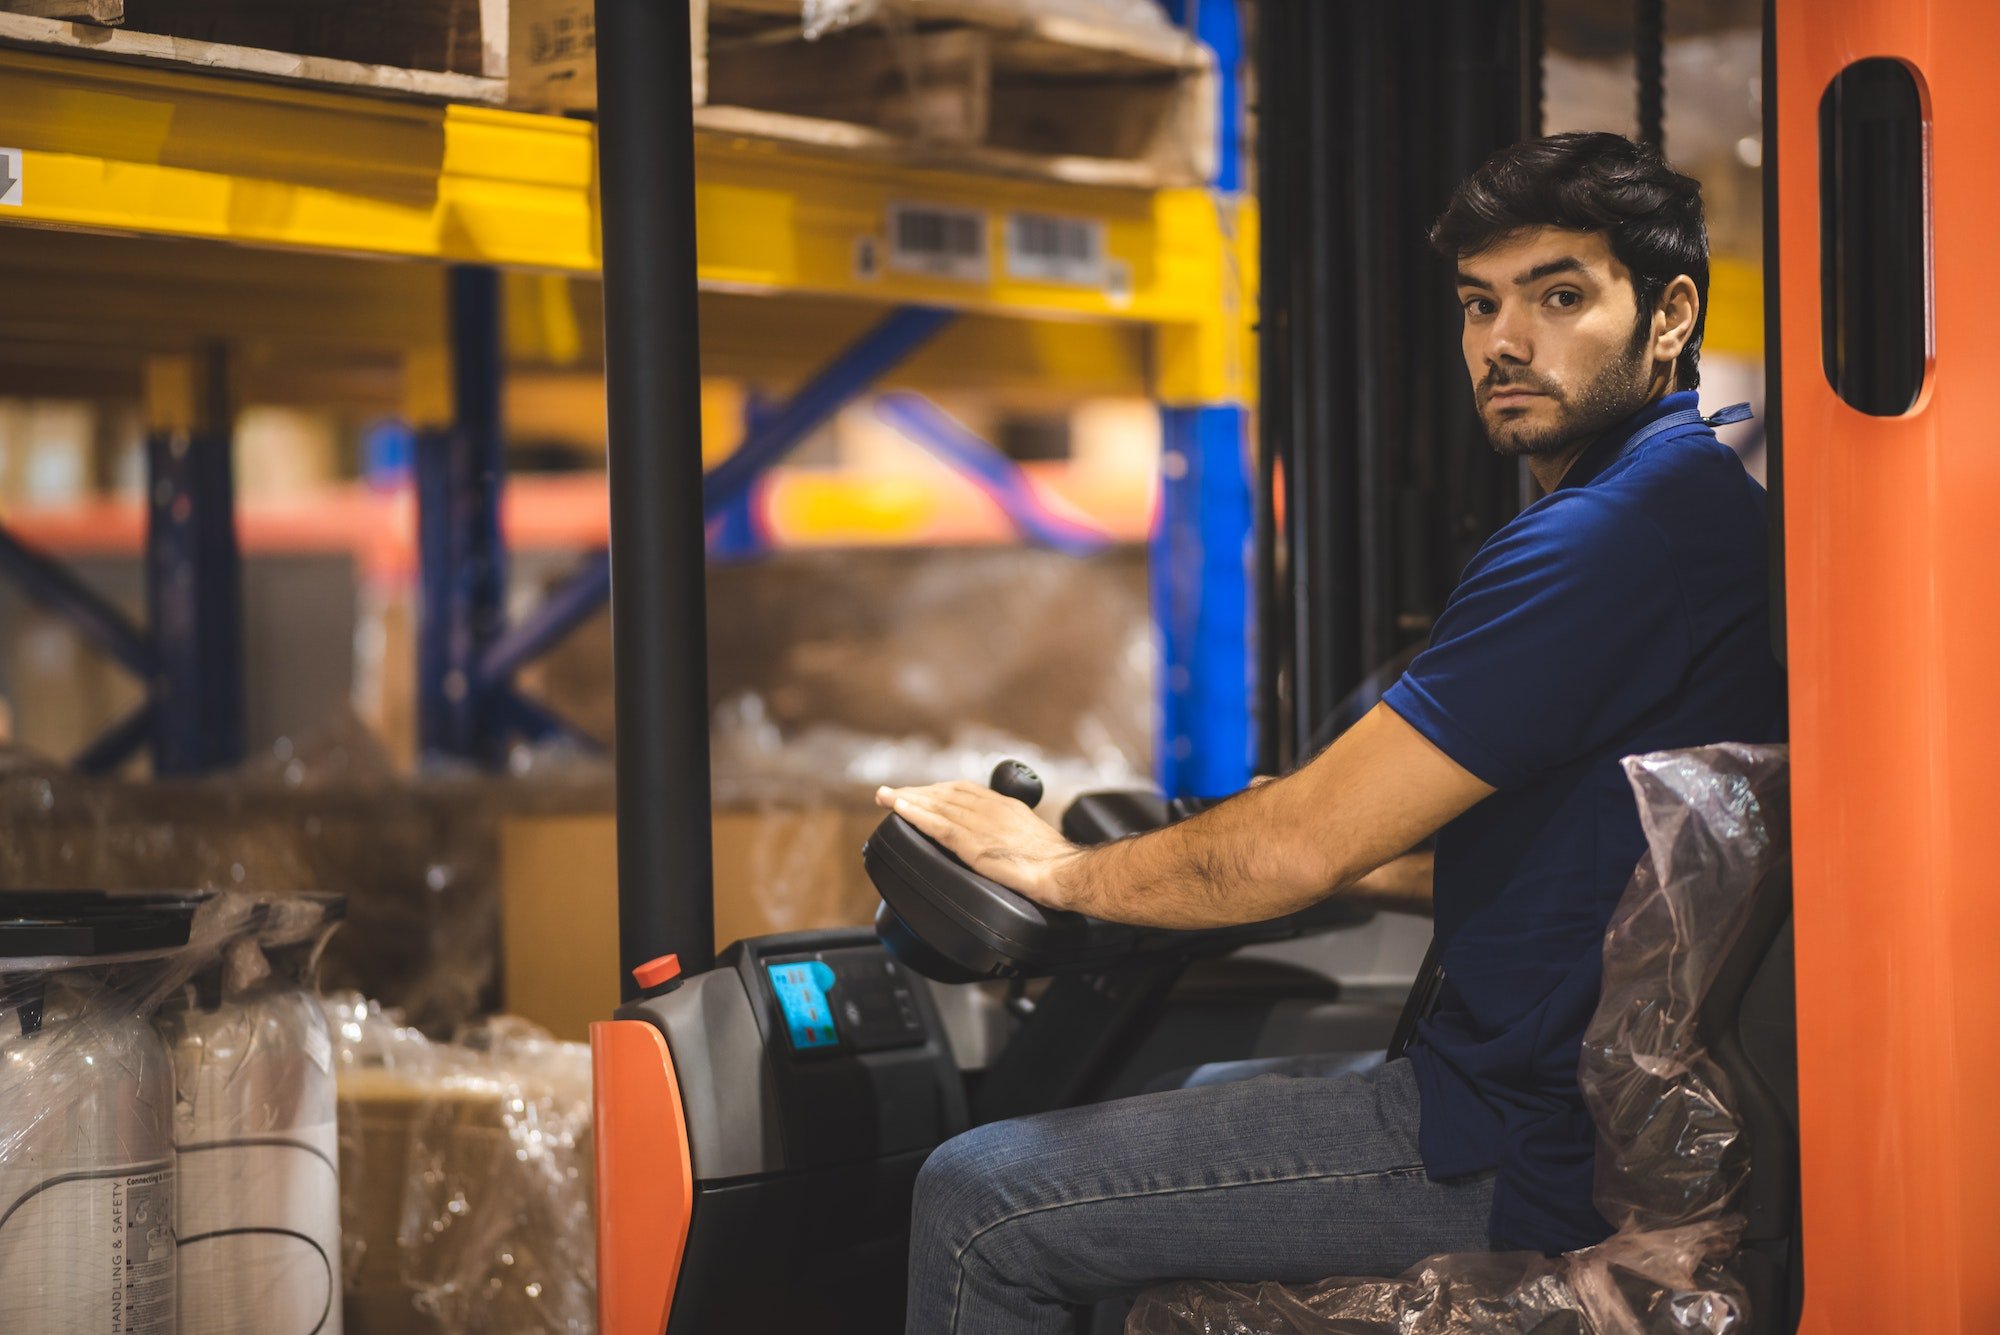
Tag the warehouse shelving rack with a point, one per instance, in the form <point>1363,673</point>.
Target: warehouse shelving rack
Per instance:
<point>271,166</point>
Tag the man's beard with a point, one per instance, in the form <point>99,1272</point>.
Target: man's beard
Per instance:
<point>1617,391</point>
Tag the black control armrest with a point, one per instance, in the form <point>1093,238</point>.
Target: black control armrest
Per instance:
<point>948,922</point>
<point>1099,818</point>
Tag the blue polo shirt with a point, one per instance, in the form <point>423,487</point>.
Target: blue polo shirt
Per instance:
<point>1627,611</point>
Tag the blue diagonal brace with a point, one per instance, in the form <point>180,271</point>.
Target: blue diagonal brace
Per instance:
<point>116,744</point>
<point>867,360</point>
<point>568,606</point>
<point>538,723</point>
<point>45,580</point>
<point>947,439</point>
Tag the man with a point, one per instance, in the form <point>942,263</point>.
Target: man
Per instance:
<point>1625,611</point>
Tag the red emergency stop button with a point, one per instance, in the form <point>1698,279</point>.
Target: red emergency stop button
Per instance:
<point>657,972</point>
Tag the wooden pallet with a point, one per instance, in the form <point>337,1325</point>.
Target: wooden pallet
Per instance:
<point>973,83</point>
<point>452,50</point>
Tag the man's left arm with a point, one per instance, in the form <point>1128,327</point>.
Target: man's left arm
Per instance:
<point>1401,885</point>
<point>1377,792</point>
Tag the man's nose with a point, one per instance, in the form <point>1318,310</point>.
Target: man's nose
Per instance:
<point>1507,340</point>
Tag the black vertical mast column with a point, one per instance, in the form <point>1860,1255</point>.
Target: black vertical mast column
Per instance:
<point>652,355</point>
<point>1369,115</point>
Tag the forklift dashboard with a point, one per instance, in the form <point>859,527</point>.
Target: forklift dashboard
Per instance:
<point>856,999</point>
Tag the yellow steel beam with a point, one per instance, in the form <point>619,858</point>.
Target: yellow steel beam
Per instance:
<point>126,149</point>
<point>130,150</point>
<point>778,344</point>
<point>1212,359</point>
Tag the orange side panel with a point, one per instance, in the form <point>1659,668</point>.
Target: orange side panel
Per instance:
<point>1892,543</point>
<point>645,1177</point>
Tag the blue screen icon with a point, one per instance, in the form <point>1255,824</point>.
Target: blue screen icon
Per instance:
<point>802,989</point>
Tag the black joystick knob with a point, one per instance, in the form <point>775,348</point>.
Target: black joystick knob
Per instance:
<point>1013,779</point>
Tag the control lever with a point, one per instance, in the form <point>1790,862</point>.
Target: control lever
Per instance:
<point>1013,779</point>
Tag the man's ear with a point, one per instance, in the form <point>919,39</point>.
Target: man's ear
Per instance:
<point>1674,318</point>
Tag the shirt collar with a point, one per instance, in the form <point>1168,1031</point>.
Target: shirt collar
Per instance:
<point>1604,451</point>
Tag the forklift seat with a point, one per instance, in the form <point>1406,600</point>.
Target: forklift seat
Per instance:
<point>1690,1070</point>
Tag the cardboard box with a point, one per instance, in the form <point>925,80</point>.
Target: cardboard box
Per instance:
<point>463,1130</point>
<point>552,54</point>
<point>376,1114</point>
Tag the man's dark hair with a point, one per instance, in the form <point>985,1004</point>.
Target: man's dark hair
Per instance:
<point>1591,182</point>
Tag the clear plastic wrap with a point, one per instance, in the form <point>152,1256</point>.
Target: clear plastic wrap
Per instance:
<point>1670,1282</point>
<point>819,17</point>
<point>1671,1153</point>
<point>418,859</point>
<point>86,1148</point>
<point>1670,1148</point>
<point>258,1211</point>
<point>757,762</point>
<point>469,1176</point>
<point>149,1097</point>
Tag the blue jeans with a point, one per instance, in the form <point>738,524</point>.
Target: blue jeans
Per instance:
<point>1020,1223</point>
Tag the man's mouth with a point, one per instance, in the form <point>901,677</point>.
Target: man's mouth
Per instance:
<point>1506,396</point>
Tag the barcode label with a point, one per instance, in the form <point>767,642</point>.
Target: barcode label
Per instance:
<point>1046,249</point>
<point>938,241</point>
<point>563,37</point>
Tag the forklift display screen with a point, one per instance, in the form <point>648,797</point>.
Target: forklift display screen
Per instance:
<point>802,988</point>
<point>853,1000</point>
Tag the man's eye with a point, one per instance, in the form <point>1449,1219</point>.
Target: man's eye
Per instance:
<point>1478,306</point>
<point>1565,298</point>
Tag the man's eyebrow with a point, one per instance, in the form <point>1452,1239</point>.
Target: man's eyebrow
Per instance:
<point>1567,264</point>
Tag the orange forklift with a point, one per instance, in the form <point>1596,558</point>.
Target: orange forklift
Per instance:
<point>760,1116</point>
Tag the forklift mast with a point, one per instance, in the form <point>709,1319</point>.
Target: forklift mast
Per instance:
<point>1377,484</point>
<point>659,572</point>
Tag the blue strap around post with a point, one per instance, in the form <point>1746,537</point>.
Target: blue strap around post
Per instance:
<point>1202,554</point>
